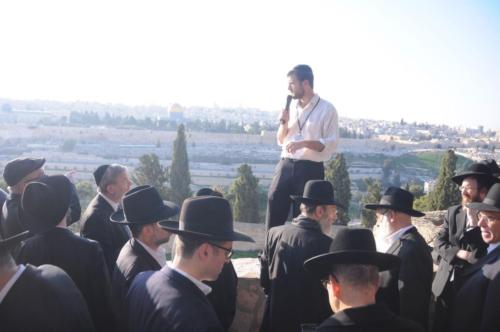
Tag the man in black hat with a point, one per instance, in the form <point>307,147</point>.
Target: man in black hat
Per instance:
<point>308,136</point>
<point>17,174</point>
<point>40,298</point>
<point>294,297</point>
<point>45,208</point>
<point>350,273</point>
<point>143,208</point>
<point>112,183</point>
<point>406,290</point>
<point>476,305</point>
<point>174,298</point>
<point>224,289</point>
<point>459,243</point>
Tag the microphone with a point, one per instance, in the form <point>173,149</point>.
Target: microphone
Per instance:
<point>288,101</point>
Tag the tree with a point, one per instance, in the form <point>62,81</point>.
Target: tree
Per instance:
<point>244,195</point>
<point>151,172</point>
<point>373,195</point>
<point>180,178</point>
<point>86,191</point>
<point>445,193</point>
<point>336,173</point>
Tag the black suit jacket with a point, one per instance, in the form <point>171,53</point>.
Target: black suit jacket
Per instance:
<point>97,226</point>
<point>450,239</point>
<point>407,290</point>
<point>133,259</point>
<point>44,299</point>
<point>83,261</point>
<point>293,295</point>
<point>371,318</point>
<point>165,300</point>
<point>476,306</point>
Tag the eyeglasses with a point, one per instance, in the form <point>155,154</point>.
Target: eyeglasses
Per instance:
<point>467,188</point>
<point>228,252</point>
<point>481,215</point>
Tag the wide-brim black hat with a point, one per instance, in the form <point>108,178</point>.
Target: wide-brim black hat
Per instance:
<point>493,166</point>
<point>11,242</point>
<point>396,199</point>
<point>491,202</point>
<point>207,217</point>
<point>351,246</point>
<point>477,170</point>
<point>45,202</point>
<point>143,205</point>
<point>15,170</point>
<point>317,192</point>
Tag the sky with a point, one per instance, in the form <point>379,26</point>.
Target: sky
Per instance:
<point>427,61</point>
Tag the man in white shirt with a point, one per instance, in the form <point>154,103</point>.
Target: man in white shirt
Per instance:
<point>308,136</point>
<point>406,290</point>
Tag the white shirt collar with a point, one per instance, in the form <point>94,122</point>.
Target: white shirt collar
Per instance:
<point>393,237</point>
<point>159,255</point>
<point>493,246</point>
<point>5,290</point>
<point>203,287</point>
<point>114,205</point>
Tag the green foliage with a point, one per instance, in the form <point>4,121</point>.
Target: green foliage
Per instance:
<point>151,172</point>
<point>86,191</point>
<point>68,145</point>
<point>244,195</point>
<point>445,193</point>
<point>336,173</point>
<point>180,178</point>
<point>373,195</point>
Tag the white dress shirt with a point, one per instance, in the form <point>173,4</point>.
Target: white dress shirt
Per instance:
<point>113,204</point>
<point>392,238</point>
<point>203,287</point>
<point>5,290</point>
<point>319,122</point>
<point>493,246</point>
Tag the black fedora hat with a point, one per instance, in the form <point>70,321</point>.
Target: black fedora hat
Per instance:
<point>18,168</point>
<point>477,170</point>
<point>99,173</point>
<point>11,242</point>
<point>493,166</point>
<point>207,217</point>
<point>396,199</point>
<point>318,192</point>
<point>45,202</point>
<point>491,202</point>
<point>143,205</point>
<point>351,246</point>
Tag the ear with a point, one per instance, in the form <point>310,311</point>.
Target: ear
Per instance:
<point>203,252</point>
<point>336,289</point>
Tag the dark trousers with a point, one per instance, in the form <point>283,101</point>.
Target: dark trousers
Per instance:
<point>442,308</point>
<point>290,176</point>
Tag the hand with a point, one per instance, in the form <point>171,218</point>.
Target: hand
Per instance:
<point>472,216</point>
<point>464,254</point>
<point>285,116</point>
<point>291,147</point>
<point>71,175</point>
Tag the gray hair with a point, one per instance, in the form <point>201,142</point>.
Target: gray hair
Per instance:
<point>109,177</point>
<point>356,275</point>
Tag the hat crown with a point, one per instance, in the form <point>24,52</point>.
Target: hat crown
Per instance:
<point>353,239</point>
<point>478,168</point>
<point>320,190</point>
<point>208,215</point>
<point>397,197</point>
<point>493,196</point>
<point>17,169</point>
<point>141,204</point>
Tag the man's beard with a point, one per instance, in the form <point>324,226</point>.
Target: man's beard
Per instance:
<point>466,199</point>
<point>380,232</point>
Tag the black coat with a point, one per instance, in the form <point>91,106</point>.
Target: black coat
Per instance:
<point>83,261</point>
<point>450,239</point>
<point>97,226</point>
<point>476,306</point>
<point>223,295</point>
<point>293,295</point>
<point>133,259</point>
<point>165,300</point>
<point>407,290</point>
<point>371,318</point>
<point>44,299</point>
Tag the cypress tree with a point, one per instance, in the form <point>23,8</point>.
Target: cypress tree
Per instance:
<point>180,178</point>
<point>372,196</point>
<point>336,173</point>
<point>244,195</point>
<point>445,193</point>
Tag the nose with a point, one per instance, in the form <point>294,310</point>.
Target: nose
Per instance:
<point>482,221</point>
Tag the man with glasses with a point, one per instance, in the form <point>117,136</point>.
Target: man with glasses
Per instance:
<point>405,290</point>
<point>174,298</point>
<point>294,297</point>
<point>459,242</point>
<point>476,305</point>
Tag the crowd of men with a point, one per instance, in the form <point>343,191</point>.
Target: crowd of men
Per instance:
<point>114,275</point>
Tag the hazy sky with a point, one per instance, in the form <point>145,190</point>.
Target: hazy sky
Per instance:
<point>427,61</point>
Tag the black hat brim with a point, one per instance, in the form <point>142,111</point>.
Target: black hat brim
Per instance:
<point>306,200</point>
<point>12,241</point>
<point>483,207</point>
<point>234,236</point>
<point>460,177</point>
<point>164,212</point>
<point>320,266</point>
<point>411,212</point>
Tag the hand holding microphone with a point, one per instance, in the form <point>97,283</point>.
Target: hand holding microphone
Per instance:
<point>285,114</point>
